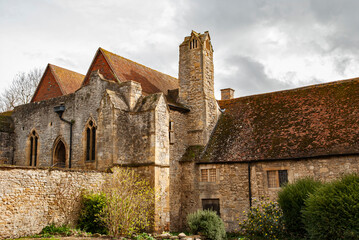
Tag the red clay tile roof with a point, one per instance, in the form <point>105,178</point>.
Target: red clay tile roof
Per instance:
<point>68,80</point>
<point>55,82</point>
<point>318,120</point>
<point>124,69</point>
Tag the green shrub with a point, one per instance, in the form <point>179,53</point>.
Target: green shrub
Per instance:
<point>263,221</point>
<point>207,223</point>
<point>144,236</point>
<point>291,201</point>
<point>50,230</point>
<point>92,205</point>
<point>332,212</point>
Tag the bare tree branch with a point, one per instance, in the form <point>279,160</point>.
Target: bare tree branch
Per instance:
<point>21,89</point>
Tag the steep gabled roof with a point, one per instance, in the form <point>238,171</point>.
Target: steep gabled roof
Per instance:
<point>122,69</point>
<point>55,82</point>
<point>68,80</point>
<point>319,120</point>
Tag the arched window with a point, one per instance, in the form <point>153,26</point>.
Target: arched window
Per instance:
<point>90,141</point>
<point>34,146</point>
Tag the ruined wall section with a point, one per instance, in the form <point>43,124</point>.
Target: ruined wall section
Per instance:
<point>40,116</point>
<point>7,137</point>
<point>34,198</point>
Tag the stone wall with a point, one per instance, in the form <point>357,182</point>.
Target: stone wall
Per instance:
<point>7,137</point>
<point>6,147</point>
<point>231,185</point>
<point>324,169</point>
<point>177,149</point>
<point>40,116</point>
<point>196,77</point>
<point>32,198</point>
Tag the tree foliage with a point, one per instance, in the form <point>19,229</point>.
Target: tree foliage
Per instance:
<point>129,203</point>
<point>21,89</point>
<point>332,211</point>
<point>291,200</point>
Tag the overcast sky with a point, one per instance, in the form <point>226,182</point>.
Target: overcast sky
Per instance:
<point>259,45</point>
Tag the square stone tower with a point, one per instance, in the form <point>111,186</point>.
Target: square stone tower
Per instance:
<point>197,86</point>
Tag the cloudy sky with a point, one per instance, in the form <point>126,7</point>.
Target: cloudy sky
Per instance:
<point>260,45</point>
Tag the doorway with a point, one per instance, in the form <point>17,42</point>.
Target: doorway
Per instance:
<point>60,155</point>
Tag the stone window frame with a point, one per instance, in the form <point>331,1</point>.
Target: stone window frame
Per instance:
<point>90,142</point>
<point>33,146</point>
<point>276,181</point>
<point>208,174</point>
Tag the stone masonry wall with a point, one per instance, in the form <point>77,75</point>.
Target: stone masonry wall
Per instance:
<point>32,198</point>
<point>40,116</point>
<point>324,169</point>
<point>231,185</point>
<point>6,147</point>
<point>177,149</point>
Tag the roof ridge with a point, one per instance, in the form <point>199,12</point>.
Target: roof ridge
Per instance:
<point>318,85</point>
<point>137,63</point>
<point>52,65</point>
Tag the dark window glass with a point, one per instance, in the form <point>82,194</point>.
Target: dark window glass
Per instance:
<point>283,177</point>
<point>35,151</point>
<point>211,204</point>
<point>93,144</point>
<point>88,142</point>
<point>31,149</point>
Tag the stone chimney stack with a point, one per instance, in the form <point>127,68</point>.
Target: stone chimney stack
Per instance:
<point>227,93</point>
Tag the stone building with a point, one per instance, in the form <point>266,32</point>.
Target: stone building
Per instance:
<point>197,151</point>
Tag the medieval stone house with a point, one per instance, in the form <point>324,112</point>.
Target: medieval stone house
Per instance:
<point>199,152</point>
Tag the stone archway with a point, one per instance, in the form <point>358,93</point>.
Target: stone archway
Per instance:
<point>60,155</point>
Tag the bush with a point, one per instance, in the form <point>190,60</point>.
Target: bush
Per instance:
<point>207,223</point>
<point>129,205</point>
<point>332,212</point>
<point>92,205</point>
<point>53,230</point>
<point>291,201</point>
<point>263,221</point>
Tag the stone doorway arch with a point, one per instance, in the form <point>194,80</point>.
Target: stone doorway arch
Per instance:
<point>59,154</point>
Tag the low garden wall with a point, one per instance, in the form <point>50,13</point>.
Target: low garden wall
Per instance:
<point>32,198</point>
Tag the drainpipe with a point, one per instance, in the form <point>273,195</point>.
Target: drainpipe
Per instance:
<point>249,185</point>
<point>60,110</point>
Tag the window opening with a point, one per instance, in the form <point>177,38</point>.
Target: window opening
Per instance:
<point>208,175</point>
<point>211,204</point>
<point>277,178</point>
<point>91,141</point>
<point>60,155</point>
<point>33,149</point>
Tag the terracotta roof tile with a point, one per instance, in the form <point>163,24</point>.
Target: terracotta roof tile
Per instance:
<point>151,80</point>
<point>68,80</point>
<point>319,120</point>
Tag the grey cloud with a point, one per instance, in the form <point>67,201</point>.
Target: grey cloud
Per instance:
<point>249,77</point>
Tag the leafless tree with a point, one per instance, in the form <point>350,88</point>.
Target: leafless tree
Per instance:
<point>21,89</point>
